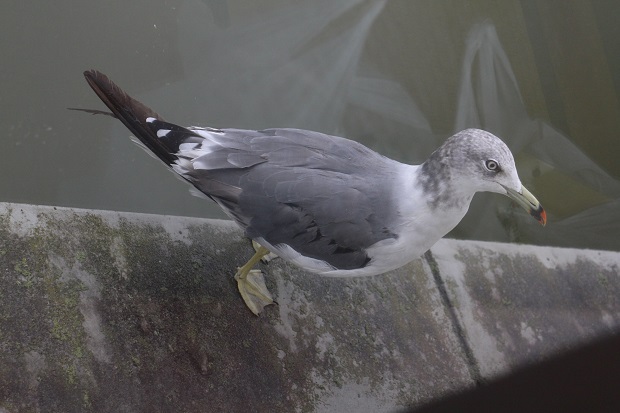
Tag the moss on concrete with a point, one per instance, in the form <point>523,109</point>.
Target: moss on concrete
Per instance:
<point>112,312</point>
<point>522,304</point>
<point>109,312</point>
<point>170,318</point>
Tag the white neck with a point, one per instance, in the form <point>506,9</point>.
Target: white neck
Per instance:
<point>420,224</point>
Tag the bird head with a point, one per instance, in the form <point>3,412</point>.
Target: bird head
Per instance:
<point>480,161</point>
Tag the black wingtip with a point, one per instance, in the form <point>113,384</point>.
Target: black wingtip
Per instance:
<point>128,110</point>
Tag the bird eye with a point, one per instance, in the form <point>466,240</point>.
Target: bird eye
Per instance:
<point>491,165</point>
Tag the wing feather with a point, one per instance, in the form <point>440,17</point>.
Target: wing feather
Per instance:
<point>323,196</point>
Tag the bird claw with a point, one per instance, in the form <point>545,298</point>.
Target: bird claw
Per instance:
<point>253,290</point>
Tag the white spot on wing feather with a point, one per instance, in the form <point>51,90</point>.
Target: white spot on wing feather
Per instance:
<point>162,133</point>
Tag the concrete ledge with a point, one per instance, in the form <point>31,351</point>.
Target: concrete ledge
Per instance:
<point>115,312</point>
<point>519,304</point>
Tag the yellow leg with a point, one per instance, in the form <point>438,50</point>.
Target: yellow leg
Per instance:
<point>265,259</point>
<point>251,284</point>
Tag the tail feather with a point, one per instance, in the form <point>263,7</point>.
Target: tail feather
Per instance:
<point>134,115</point>
<point>173,144</point>
<point>173,136</point>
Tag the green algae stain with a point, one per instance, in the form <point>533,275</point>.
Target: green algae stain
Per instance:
<point>41,308</point>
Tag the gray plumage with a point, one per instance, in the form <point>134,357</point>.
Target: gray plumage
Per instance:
<point>311,191</point>
<point>327,204</point>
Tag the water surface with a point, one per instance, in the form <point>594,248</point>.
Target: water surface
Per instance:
<point>399,76</point>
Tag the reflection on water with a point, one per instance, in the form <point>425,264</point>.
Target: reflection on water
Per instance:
<point>291,66</point>
<point>313,77</point>
<point>342,67</point>
<point>489,98</point>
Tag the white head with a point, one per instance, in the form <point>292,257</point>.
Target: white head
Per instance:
<point>473,161</point>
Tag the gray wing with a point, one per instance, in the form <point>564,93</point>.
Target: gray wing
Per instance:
<point>326,197</point>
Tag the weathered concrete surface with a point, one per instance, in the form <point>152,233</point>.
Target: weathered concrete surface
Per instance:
<point>109,312</point>
<point>115,312</point>
<point>520,304</point>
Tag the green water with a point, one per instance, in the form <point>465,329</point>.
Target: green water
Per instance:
<point>399,76</point>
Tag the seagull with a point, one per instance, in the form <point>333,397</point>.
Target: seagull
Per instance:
<point>327,204</point>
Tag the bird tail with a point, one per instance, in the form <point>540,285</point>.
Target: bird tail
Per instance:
<point>137,117</point>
